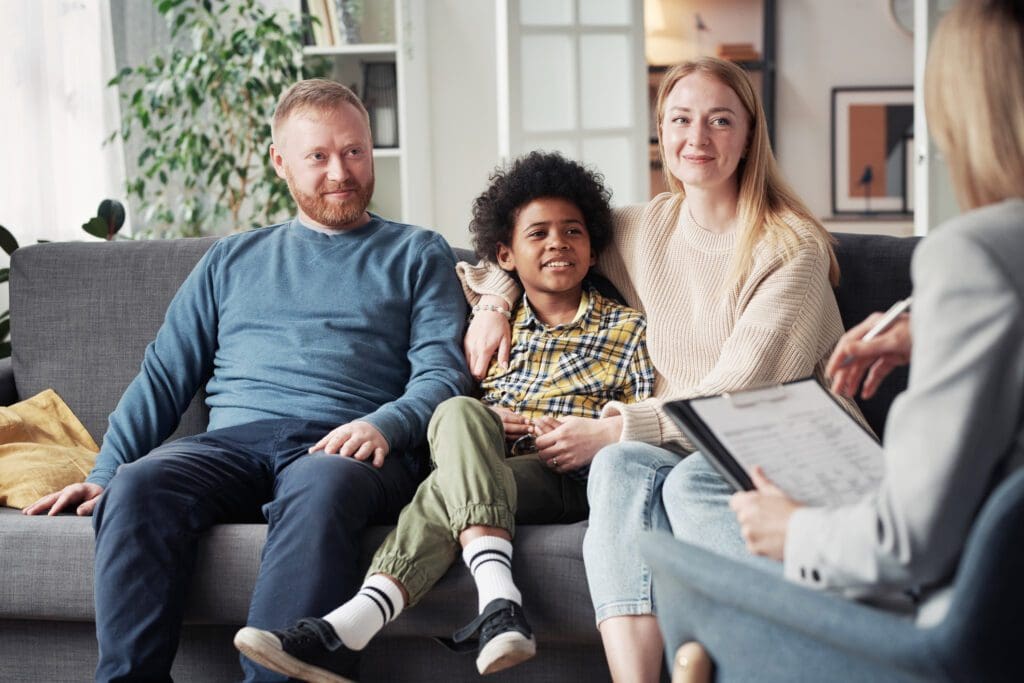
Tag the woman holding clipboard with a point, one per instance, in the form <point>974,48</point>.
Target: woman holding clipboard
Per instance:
<point>958,429</point>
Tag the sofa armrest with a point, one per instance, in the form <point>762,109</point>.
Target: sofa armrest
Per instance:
<point>8,392</point>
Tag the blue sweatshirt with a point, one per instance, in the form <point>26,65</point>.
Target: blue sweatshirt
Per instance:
<point>288,322</point>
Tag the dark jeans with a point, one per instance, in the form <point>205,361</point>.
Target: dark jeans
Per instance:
<point>150,517</point>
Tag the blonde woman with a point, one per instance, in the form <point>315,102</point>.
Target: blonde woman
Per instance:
<point>734,275</point>
<point>958,429</point>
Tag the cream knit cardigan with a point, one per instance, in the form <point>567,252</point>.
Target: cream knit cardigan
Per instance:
<point>779,324</point>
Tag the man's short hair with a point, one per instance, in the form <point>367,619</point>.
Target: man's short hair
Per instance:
<point>318,94</point>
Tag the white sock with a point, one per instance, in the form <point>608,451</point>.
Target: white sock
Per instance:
<point>489,559</point>
<point>378,602</point>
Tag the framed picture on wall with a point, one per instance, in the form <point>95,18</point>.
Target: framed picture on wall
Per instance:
<point>872,150</point>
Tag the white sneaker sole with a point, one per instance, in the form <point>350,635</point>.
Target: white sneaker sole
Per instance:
<point>505,650</point>
<point>265,650</point>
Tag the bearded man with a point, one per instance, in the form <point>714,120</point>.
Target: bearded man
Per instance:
<point>327,342</point>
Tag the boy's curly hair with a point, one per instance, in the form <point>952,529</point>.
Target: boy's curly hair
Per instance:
<point>538,175</point>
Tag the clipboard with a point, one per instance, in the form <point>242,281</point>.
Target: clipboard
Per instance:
<point>797,432</point>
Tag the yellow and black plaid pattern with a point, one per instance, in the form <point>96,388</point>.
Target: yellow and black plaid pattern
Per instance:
<point>575,368</point>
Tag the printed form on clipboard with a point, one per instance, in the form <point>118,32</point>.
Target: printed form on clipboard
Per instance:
<point>797,432</point>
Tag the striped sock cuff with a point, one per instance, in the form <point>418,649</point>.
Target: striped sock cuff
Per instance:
<point>383,593</point>
<point>487,549</point>
<point>489,559</point>
<point>486,556</point>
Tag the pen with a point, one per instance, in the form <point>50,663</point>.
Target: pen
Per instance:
<point>882,325</point>
<point>888,319</point>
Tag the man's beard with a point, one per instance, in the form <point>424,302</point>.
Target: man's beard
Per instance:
<point>332,213</point>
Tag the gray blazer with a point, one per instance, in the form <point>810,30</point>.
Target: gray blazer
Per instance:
<point>954,433</point>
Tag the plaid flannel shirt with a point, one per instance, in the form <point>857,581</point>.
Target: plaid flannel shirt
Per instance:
<point>574,368</point>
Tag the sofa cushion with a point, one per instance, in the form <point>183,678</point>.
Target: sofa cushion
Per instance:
<point>83,313</point>
<point>874,274</point>
<point>47,569</point>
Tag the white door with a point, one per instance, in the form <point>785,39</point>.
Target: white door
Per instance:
<point>572,78</point>
<point>935,201</point>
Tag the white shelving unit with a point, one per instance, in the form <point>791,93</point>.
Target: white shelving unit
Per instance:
<point>395,33</point>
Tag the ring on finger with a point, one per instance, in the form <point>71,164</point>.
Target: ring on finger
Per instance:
<point>554,462</point>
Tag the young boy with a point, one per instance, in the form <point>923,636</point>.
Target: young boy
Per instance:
<point>544,219</point>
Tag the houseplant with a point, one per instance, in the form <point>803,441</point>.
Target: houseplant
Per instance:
<point>203,107</point>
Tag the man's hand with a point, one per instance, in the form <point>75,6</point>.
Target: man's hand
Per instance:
<point>569,443</point>
<point>84,496</point>
<point>763,516</point>
<point>515,424</point>
<point>358,439</point>
<point>853,357</point>
<point>488,332</point>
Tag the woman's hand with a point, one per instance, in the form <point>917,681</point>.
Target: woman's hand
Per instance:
<point>569,443</point>
<point>84,496</point>
<point>489,331</point>
<point>763,516</point>
<point>853,357</point>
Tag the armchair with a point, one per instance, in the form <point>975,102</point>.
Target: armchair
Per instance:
<point>757,626</point>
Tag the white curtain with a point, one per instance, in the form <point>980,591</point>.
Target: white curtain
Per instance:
<point>57,56</point>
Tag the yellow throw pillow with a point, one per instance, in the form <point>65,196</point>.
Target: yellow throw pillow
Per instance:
<point>43,448</point>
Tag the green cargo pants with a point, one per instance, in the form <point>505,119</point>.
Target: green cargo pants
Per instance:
<point>473,483</point>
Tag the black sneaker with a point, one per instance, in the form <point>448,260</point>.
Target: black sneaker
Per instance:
<point>310,651</point>
<point>505,639</point>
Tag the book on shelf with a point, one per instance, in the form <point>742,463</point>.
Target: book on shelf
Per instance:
<point>737,52</point>
<point>323,35</point>
<point>332,22</point>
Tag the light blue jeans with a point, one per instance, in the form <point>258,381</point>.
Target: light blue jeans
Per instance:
<point>636,487</point>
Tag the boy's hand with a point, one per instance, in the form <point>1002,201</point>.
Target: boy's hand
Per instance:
<point>515,424</point>
<point>357,439</point>
<point>545,424</point>
<point>570,443</point>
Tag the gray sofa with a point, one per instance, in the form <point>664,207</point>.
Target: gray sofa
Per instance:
<point>81,317</point>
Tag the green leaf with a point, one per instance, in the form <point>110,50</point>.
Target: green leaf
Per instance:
<point>121,75</point>
<point>96,227</point>
<point>5,274</point>
<point>5,328</point>
<point>7,241</point>
<point>5,349</point>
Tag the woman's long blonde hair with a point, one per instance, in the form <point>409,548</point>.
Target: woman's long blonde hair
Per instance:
<point>974,98</point>
<point>765,199</point>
